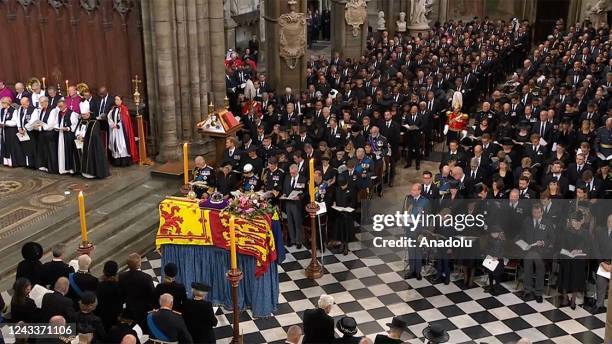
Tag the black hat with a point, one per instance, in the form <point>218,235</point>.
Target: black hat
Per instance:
<point>251,149</point>
<point>227,162</point>
<point>524,124</point>
<point>200,286</point>
<point>88,298</point>
<point>356,128</point>
<point>347,325</point>
<point>453,184</point>
<point>577,216</point>
<point>495,229</point>
<point>127,314</point>
<point>435,333</point>
<point>398,323</point>
<point>466,141</point>
<point>506,141</point>
<point>170,270</point>
<point>110,268</point>
<point>342,180</point>
<point>31,251</point>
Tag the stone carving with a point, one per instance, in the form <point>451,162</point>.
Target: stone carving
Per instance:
<point>292,35</point>
<point>57,4</point>
<point>419,9</point>
<point>401,23</point>
<point>355,14</point>
<point>122,6</point>
<point>25,3</point>
<point>381,23</point>
<point>89,5</point>
<point>597,12</point>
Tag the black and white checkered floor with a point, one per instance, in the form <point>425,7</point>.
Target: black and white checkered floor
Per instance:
<point>368,285</point>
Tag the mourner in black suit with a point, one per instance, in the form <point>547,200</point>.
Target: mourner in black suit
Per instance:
<point>318,325</point>
<point>137,287</point>
<point>295,212</point>
<point>55,268</point>
<point>56,303</point>
<point>415,124</point>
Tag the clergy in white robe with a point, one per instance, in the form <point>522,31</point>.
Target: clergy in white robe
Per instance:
<point>64,130</point>
<point>10,149</point>
<point>116,138</point>
<point>44,121</point>
<point>27,140</point>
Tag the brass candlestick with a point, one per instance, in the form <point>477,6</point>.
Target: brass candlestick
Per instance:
<point>314,269</point>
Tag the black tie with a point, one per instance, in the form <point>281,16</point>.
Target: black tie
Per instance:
<point>293,183</point>
<point>102,106</point>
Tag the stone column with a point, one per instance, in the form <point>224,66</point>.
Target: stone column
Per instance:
<point>165,54</point>
<point>182,67</point>
<point>261,58</point>
<point>217,49</point>
<point>348,42</point>
<point>443,10</point>
<point>150,77</point>
<point>184,49</point>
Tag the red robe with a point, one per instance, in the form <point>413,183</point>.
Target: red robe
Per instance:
<point>128,129</point>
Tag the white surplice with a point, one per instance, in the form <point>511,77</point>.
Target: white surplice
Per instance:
<point>116,138</point>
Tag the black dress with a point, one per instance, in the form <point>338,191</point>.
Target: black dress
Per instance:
<point>573,271</point>
<point>344,225</point>
<point>26,312</point>
<point>30,269</point>
<point>110,302</point>
<point>90,323</point>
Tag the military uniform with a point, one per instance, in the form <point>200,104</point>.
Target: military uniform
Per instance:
<point>204,174</point>
<point>380,147</point>
<point>168,326</point>
<point>273,180</point>
<point>365,169</point>
<point>457,122</point>
<point>250,183</point>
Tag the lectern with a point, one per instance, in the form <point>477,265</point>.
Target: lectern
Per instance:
<point>219,125</point>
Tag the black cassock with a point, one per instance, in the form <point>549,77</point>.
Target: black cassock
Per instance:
<point>10,143</point>
<point>46,147</point>
<point>344,223</point>
<point>93,162</point>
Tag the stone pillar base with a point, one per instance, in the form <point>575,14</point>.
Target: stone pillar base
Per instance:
<point>416,29</point>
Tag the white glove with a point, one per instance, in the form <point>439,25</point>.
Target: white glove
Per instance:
<point>445,129</point>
